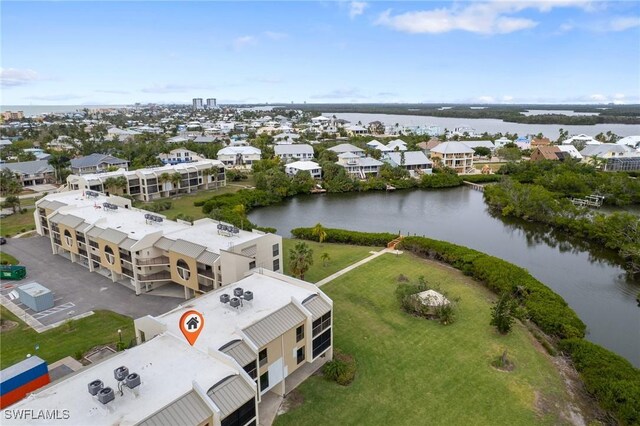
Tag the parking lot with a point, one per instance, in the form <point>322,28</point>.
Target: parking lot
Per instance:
<point>76,290</point>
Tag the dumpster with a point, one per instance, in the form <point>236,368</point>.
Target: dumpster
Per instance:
<point>12,272</point>
<point>36,296</point>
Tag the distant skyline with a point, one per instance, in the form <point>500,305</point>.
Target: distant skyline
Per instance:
<point>555,51</point>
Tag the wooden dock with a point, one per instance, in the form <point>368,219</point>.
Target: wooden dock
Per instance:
<point>318,191</point>
<point>390,188</point>
<point>475,186</point>
<point>588,201</point>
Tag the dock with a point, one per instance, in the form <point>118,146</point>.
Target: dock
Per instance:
<point>390,188</point>
<point>589,201</point>
<point>318,191</point>
<point>475,186</point>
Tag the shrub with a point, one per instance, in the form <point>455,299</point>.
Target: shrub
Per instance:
<point>482,178</point>
<point>502,313</point>
<point>406,293</point>
<point>346,237</point>
<point>341,369</point>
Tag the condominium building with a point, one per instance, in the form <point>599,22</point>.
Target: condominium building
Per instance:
<point>144,250</point>
<point>197,103</point>
<point>156,182</point>
<point>212,103</point>
<point>277,337</point>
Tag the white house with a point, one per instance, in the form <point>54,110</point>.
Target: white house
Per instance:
<point>359,167</point>
<point>121,134</point>
<point>294,152</point>
<point>581,139</point>
<point>455,155</point>
<point>397,143</point>
<point>499,143</point>
<point>179,155</point>
<point>374,144</point>
<point>312,167</point>
<point>632,141</point>
<point>347,147</point>
<point>239,156</point>
<point>410,160</point>
<point>571,150</point>
<point>355,130</point>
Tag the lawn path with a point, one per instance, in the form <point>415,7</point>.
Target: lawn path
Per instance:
<point>355,265</point>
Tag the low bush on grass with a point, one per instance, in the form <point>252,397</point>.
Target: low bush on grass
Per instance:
<point>158,206</point>
<point>407,294</point>
<point>482,178</point>
<point>346,237</point>
<point>341,369</point>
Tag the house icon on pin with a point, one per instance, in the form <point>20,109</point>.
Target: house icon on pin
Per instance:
<point>192,323</point>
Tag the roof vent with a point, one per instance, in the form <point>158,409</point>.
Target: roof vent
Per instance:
<point>95,386</point>
<point>132,380</point>
<point>224,298</point>
<point>120,373</point>
<point>106,395</point>
<point>234,302</point>
<point>248,295</point>
<point>238,292</point>
<point>227,229</point>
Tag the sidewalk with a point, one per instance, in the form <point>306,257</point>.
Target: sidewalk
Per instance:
<point>355,265</point>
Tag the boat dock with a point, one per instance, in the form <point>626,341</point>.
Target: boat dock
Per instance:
<point>475,186</point>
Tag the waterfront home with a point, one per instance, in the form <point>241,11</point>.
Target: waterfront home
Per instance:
<point>480,144</point>
<point>523,143</point>
<point>548,153</point>
<point>632,141</point>
<point>355,130</point>
<point>241,157</point>
<point>31,173</point>
<point>293,152</point>
<point>571,150</point>
<point>347,147</point>
<point>536,142</point>
<point>581,140</point>
<point>359,167</point>
<point>312,167</point>
<point>455,155</point>
<point>427,146</point>
<point>614,157</point>
<point>96,163</point>
<point>397,145</point>
<point>499,143</point>
<point>413,161</point>
<point>179,155</point>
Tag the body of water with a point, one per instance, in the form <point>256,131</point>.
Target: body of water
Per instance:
<point>32,110</point>
<point>591,282</point>
<point>489,125</point>
<point>558,111</point>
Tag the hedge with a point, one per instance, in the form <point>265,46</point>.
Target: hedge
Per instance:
<point>342,236</point>
<point>611,379</point>
<point>482,178</point>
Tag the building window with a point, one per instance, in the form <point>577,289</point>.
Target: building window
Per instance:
<point>300,355</point>
<point>242,415</point>
<point>321,324</point>
<point>251,369</point>
<point>262,357</point>
<point>276,264</point>
<point>108,253</point>
<point>300,333</point>
<point>321,343</point>
<point>252,264</point>
<point>276,250</point>
<point>68,238</point>
<point>264,381</point>
<point>183,270</point>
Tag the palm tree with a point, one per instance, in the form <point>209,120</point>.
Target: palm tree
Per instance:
<point>241,211</point>
<point>319,231</point>
<point>163,178</point>
<point>113,184</point>
<point>175,179</point>
<point>300,259</point>
<point>325,258</point>
<point>12,201</point>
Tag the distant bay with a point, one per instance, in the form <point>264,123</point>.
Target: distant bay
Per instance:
<point>31,110</point>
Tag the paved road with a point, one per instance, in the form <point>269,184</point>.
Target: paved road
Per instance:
<point>74,285</point>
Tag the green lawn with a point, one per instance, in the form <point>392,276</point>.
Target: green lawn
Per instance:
<point>341,256</point>
<point>412,371</point>
<point>7,259</point>
<point>17,223</point>
<point>98,329</point>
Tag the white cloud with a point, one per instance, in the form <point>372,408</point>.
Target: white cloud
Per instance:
<point>507,98</point>
<point>624,23</point>
<point>492,17</point>
<point>356,8</point>
<point>486,99</point>
<point>244,41</point>
<point>274,35</point>
<point>12,77</point>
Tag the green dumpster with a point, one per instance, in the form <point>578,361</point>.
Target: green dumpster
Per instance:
<point>12,272</point>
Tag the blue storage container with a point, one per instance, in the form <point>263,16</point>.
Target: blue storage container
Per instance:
<point>35,296</point>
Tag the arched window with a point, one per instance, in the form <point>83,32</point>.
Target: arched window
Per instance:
<point>111,257</point>
<point>183,269</point>
<point>68,238</point>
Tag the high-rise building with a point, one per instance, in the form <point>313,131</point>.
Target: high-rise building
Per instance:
<point>197,103</point>
<point>211,103</point>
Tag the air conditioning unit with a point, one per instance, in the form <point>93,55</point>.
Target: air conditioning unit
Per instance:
<point>132,380</point>
<point>120,373</point>
<point>95,386</point>
<point>106,395</point>
<point>238,292</point>
<point>248,295</point>
<point>234,302</point>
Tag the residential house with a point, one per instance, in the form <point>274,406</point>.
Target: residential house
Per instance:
<point>571,151</point>
<point>121,134</point>
<point>294,152</point>
<point>480,144</point>
<point>544,152</point>
<point>397,145</point>
<point>410,160</point>
<point>178,139</point>
<point>157,182</point>
<point>523,143</point>
<point>355,130</point>
<point>632,141</point>
<point>499,143</point>
<point>359,167</point>
<point>241,157</point>
<point>536,142</point>
<point>280,331</point>
<point>347,147</point>
<point>427,146</point>
<point>96,163</point>
<point>144,250</point>
<point>374,144</point>
<point>179,155</point>
<point>312,167</point>
<point>455,155</point>
<point>31,173</point>
<point>205,139</point>
<point>580,140</point>
<point>613,157</point>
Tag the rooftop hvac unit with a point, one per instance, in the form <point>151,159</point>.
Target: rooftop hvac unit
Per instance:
<point>95,386</point>
<point>234,302</point>
<point>120,373</point>
<point>91,194</point>
<point>224,298</point>
<point>248,295</point>
<point>132,380</point>
<point>238,292</point>
<point>106,395</point>
<point>109,206</point>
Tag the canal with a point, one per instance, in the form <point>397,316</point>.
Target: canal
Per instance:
<point>588,278</point>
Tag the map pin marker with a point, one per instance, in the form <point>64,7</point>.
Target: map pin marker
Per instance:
<point>191,324</point>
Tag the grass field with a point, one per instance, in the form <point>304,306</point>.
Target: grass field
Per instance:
<point>17,223</point>
<point>341,256</point>
<point>412,371</point>
<point>7,259</point>
<point>98,329</point>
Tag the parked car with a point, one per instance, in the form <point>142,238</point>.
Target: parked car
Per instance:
<point>3,240</point>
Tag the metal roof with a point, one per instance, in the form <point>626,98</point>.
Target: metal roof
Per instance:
<point>127,243</point>
<point>231,394</point>
<point>113,236</point>
<point>51,205</point>
<point>317,306</point>
<point>163,243</point>
<point>276,324</point>
<point>250,251</point>
<point>28,167</point>
<point>82,226</point>
<point>95,159</point>
<point>207,257</point>
<point>240,351</point>
<point>187,248</point>
<point>56,218</point>
<point>71,221</point>
<point>189,409</point>
<point>94,232</point>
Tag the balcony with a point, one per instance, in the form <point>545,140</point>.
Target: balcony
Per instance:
<point>158,276</point>
<point>208,274</point>
<point>162,260</point>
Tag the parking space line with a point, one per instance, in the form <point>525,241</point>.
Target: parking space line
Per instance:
<point>52,311</point>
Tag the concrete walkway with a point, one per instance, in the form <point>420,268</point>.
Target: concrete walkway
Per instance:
<point>355,265</point>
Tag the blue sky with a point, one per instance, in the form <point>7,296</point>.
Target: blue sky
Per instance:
<point>557,51</point>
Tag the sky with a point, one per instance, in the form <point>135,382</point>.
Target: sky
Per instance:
<point>555,51</point>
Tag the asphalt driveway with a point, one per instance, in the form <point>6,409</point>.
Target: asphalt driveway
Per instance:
<point>75,289</point>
